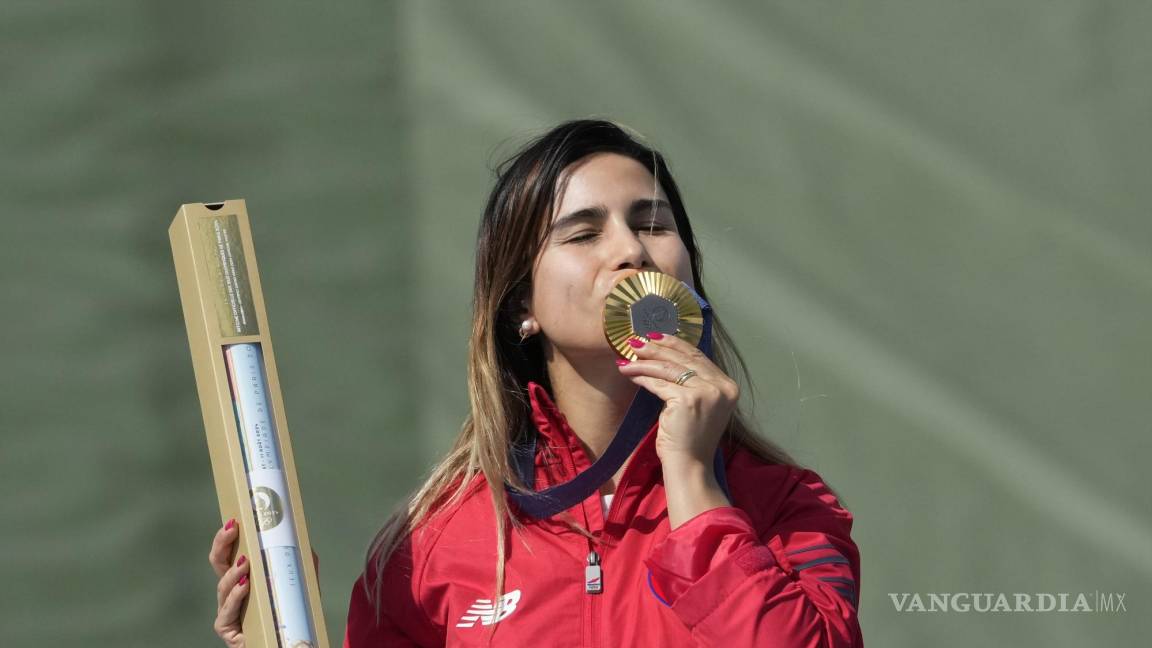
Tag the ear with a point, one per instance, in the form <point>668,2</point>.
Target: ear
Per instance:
<point>520,303</point>
<point>523,317</point>
<point>526,323</point>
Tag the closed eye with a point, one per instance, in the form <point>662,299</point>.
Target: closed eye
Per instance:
<point>583,237</point>
<point>651,227</point>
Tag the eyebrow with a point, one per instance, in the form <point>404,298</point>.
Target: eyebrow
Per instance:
<point>598,212</point>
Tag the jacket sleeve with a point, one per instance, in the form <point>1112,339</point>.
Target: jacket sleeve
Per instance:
<point>794,584</point>
<point>402,622</point>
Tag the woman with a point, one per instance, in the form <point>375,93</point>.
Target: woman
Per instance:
<point>675,550</point>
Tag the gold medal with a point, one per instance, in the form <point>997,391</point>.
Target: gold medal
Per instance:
<point>649,302</point>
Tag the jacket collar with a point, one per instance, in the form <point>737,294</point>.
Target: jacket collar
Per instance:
<point>554,430</point>
<point>549,420</point>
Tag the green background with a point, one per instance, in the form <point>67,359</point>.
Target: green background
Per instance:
<point>927,224</point>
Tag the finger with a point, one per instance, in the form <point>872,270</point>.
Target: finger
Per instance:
<point>662,389</point>
<point>227,623</point>
<point>712,376</point>
<point>672,349</point>
<point>230,578</point>
<point>223,544</point>
<point>663,370</point>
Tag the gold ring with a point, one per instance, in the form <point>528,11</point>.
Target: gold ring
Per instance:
<point>683,378</point>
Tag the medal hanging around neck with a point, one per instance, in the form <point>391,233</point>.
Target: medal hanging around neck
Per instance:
<point>640,304</point>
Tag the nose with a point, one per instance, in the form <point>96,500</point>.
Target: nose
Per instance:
<point>628,251</point>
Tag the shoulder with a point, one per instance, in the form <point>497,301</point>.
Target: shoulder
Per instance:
<point>404,603</point>
<point>780,497</point>
<point>468,517</point>
<point>797,514</point>
<point>473,509</point>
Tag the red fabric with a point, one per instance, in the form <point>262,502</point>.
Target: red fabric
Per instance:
<point>777,568</point>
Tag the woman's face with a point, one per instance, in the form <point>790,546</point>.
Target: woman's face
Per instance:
<point>611,221</point>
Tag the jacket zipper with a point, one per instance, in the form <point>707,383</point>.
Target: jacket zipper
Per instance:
<point>593,577</point>
<point>594,561</point>
<point>593,556</point>
<point>596,558</point>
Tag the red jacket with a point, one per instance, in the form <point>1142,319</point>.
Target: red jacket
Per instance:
<point>778,568</point>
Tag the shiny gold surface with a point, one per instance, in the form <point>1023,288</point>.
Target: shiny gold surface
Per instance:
<point>618,314</point>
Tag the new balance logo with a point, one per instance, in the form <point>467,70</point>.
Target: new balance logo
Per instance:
<point>487,614</point>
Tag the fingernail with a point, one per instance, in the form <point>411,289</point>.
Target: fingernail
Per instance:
<point>620,362</point>
<point>243,579</point>
<point>655,336</point>
<point>243,559</point>
<point>635,343</point>
<point>231,523</point>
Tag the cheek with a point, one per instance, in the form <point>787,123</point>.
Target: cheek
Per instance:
<point>565,298</point>
<point>674,260</point>
<point>686,272</point>
<point>553,286</point>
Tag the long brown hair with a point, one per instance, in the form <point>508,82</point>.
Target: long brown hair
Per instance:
<point>500,365</point>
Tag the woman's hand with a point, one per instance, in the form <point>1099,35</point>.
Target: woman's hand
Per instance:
<point>695,412</point>
<point>233,586</point>
<point>695,415</point>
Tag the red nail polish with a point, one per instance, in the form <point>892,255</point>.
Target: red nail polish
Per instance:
<point>620,362</point>
<point>635,343</point>
<point>231,523</point>
<point>243,559</point>
<point>655,336</point>
<point>243,579</point>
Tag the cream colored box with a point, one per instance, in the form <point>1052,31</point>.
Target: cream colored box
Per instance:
<point>252,461</point>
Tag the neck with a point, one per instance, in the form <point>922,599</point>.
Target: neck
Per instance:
<point>594,398</point>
